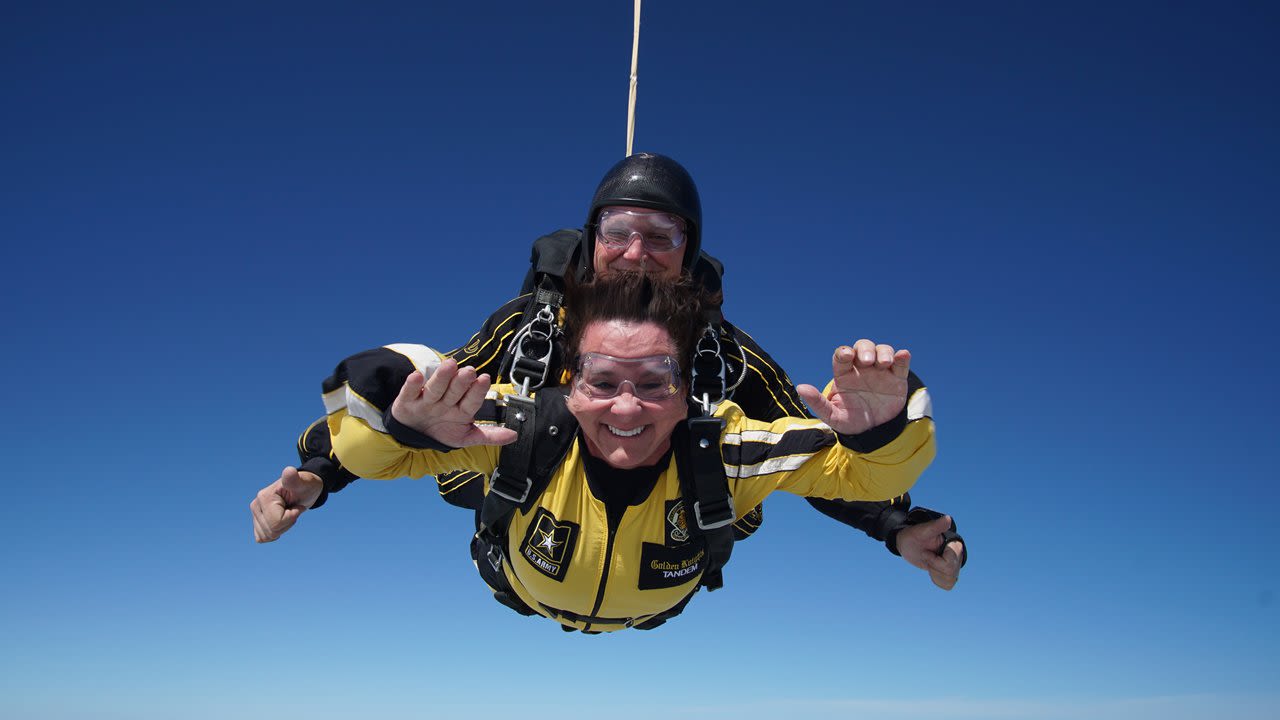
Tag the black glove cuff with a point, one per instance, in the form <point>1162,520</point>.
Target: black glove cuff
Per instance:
<point>877,437</point>
<point>891,521</point>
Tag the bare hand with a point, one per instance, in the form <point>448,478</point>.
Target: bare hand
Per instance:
<point>443,407</point>
<point>870,387</point>
<point>921,544</point>
<point>278,505</point>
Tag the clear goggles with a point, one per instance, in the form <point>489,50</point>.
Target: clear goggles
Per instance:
<point>659,231</point>
<point>653,378</point>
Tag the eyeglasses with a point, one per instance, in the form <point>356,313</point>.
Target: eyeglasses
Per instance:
<point>659,231</point>
<point>653,378</point>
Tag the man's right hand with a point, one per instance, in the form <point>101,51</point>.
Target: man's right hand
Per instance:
<point>278,505</point>
<point>921,545</point>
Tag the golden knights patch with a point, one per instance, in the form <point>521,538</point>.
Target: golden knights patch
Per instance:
<point>548,545</point>
<point>667,567</point>
<point>680,558</point>
<point>677,523</point>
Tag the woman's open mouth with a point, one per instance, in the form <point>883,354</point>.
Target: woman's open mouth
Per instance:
<point>626,433</point>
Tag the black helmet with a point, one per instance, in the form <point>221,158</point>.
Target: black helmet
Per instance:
<point>648,180</point>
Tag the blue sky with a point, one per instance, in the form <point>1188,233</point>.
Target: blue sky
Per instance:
<point>1067,212</point>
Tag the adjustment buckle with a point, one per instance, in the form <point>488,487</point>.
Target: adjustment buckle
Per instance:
<point>494,556</point>
<point>502,487</point>
<point>718,517</point>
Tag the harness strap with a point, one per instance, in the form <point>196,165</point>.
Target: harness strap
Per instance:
<point>512,482</point>
<point>532,356</point>
<point>593,619</point>
<point>524,470</point>
<point>702,479</point>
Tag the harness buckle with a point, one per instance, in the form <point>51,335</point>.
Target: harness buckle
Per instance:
<point>717,517</point>
<point>502,487</point>
<point>494,556</point>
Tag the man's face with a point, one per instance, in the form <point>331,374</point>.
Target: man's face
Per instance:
<point>634,232</point>
<point>624,430</point>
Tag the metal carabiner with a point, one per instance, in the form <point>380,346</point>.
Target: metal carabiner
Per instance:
<point>533,370</point>
<point>708,370</point>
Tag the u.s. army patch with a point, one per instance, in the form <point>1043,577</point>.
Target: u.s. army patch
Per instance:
<point>548,545</point>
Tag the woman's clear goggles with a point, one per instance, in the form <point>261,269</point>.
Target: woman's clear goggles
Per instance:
<point>659,231</point>
<point>652,378</point>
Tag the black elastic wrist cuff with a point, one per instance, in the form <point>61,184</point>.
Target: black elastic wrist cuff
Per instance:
<point>409,437</point>
<point>891,521</point>
<point>878,436</point>
<point>919,515</point>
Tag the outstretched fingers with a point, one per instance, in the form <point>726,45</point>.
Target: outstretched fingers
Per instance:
<point>901,363</point>
<point>440,381</point>
<point>472,397</point>
<point>412,388</point>
<point>867,354</point>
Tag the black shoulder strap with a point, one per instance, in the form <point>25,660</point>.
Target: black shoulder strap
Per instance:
<point>709,507</point>
<point>533,356</point>
<point>545,430</point>
<point>709,272</point>
<point>552,255</point>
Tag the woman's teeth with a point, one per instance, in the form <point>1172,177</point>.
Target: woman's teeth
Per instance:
<point>625,433</point>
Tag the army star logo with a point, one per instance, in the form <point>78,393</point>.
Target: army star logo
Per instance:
<point>548,544</point>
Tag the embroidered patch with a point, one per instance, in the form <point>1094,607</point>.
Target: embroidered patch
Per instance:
<point>548,545</point>
<point>677,524</point>
<point>666,567</point>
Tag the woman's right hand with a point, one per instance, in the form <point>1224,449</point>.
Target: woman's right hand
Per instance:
<point>443,407</point>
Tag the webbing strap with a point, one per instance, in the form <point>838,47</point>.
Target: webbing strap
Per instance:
<point>713,511</point>
<point>511,481</point>
<point>593,619</point>
<point>544,432</point>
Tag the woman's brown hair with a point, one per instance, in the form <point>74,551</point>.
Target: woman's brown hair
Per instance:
<point>677,305</point>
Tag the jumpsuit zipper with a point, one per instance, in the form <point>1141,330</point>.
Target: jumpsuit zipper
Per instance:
<point>608,560</point>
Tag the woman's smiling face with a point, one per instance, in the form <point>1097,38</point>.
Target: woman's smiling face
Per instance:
<point>626,431</point>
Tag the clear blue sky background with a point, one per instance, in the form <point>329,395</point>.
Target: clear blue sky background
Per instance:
<point>1068,212</point>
